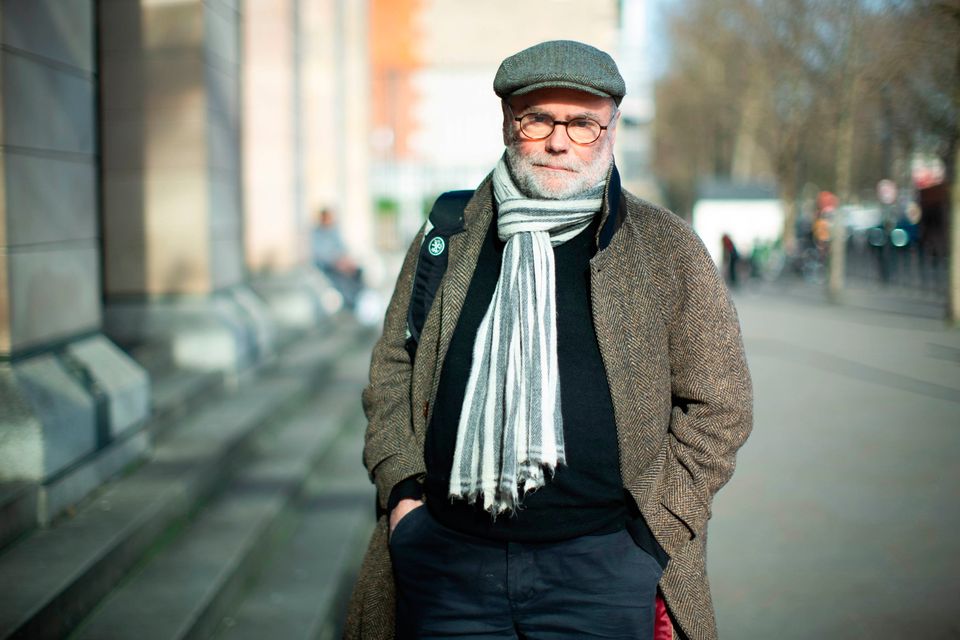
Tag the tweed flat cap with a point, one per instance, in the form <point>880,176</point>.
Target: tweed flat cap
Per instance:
<point>560,63</point>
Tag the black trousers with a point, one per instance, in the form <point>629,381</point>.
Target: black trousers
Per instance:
<point>452,585</point>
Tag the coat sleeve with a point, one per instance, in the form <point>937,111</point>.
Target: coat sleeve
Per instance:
<point>390,451</point>
<point>712,411</point>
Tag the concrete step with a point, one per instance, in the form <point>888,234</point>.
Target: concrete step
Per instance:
<point>301,593</point>
<point>174,394</point>
<point>52,578</point>
<point>184,588</point>
<point>18,510</point>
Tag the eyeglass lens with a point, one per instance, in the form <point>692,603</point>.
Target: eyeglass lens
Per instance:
<point>538,126</point>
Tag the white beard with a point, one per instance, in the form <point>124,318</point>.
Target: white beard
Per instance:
<point>583,175</point>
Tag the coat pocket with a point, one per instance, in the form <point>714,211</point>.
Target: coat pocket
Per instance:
<point>681,515</point>
<point>686,524</point>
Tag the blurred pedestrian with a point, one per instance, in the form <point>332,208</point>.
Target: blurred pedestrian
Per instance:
<point>578,394</point>
<point>331,257</point>
<point>731,259</point>
<point>822,225</point>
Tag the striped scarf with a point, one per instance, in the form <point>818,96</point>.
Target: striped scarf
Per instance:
<point>511,427</point>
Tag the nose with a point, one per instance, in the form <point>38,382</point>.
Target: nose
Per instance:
<point>558,141</point>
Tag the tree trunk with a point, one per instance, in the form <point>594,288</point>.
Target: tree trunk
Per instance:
<point>851,79</point>
<point>744,165</point>
<point>788,195</point>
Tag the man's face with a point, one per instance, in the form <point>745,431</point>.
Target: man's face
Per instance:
<point>557,167</point>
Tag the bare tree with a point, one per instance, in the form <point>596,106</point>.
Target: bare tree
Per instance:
<point>838,92</point>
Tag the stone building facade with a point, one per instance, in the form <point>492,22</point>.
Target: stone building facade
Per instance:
<point>160,161</point>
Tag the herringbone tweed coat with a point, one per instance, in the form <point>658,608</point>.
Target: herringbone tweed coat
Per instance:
<point>670,341</point>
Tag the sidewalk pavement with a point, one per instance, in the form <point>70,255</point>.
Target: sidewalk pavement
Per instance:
<point>866,296</point>
<point>842,518</point>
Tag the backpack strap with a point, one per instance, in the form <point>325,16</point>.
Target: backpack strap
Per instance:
<point>446,219</point>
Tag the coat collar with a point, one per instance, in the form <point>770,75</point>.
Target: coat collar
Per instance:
<point>611,216</point>
<point>611,211</point>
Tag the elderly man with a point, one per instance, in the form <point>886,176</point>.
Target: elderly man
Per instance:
<point>546,463</point>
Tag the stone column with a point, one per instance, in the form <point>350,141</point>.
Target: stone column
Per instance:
<point>276,217</point>
<point>275,241</point>
<point>305,135</point>
<point>67,394</point>
<point>336,121</point>
<point>322,108</point>
<point>173,256</point>
<point>354,89</point>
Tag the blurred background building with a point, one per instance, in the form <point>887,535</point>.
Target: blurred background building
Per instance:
<point>162,161</point>
<point>436,121</point>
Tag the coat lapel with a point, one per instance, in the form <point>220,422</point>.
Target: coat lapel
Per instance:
<point>632,341</point>
<point>438,330</point>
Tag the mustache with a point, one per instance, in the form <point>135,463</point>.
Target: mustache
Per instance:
<point>547,160</point>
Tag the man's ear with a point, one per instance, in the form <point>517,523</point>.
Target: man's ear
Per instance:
<point>507,128</point>
<point>612,129</point>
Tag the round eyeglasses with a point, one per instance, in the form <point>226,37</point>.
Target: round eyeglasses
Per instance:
<point>538,126</point>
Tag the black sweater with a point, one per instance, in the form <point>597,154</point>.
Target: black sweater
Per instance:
<point>586,495</point>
